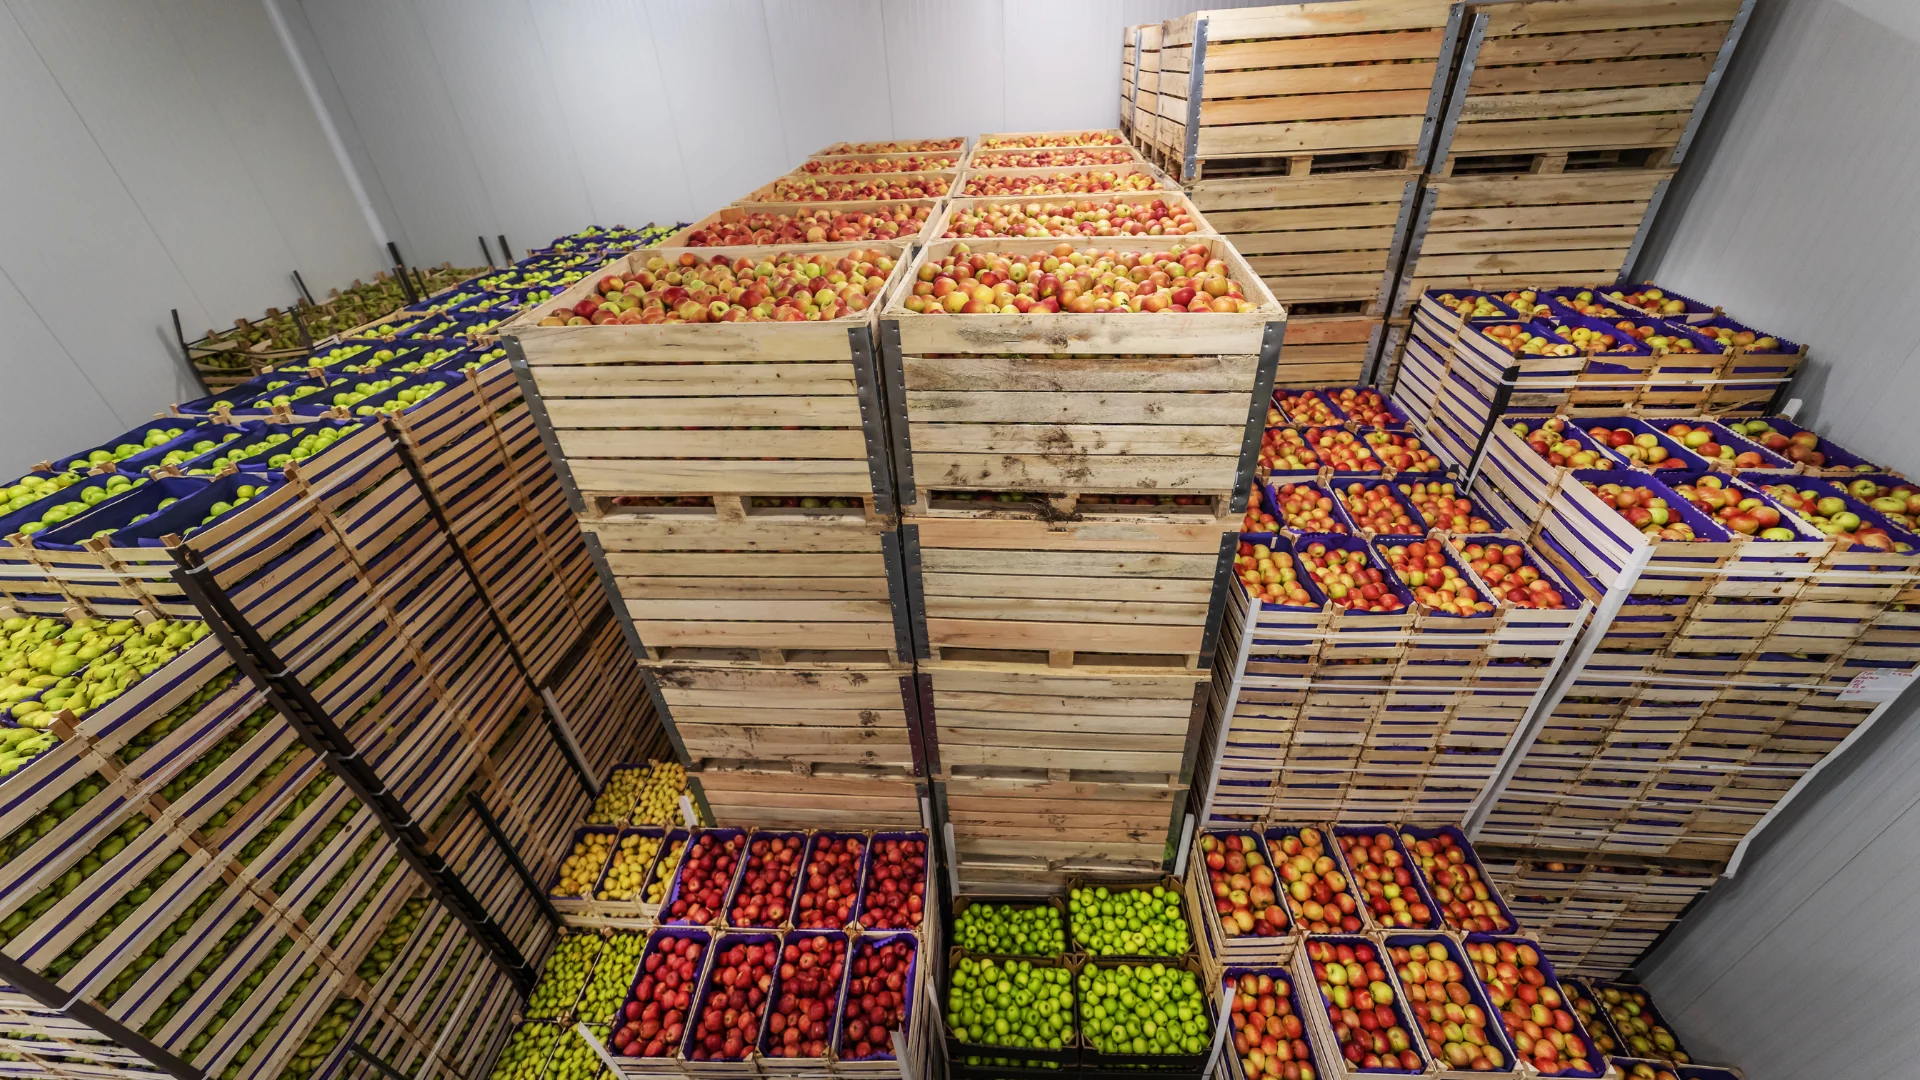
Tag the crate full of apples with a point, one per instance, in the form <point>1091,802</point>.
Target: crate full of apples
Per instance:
<point>1234,898</point>
<point>1273,1033</point>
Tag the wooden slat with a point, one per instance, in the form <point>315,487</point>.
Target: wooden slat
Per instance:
<point>1548,190</point>
<point>843,411</point>
<point>1120,473</point>
<point>1072,439</point>
<point>1330,106</point>
<point>764,634</point>
<point>1569,16</point>
<point>1244,225</point>
<point>1083,374</point>
<point>1262,192</point>
<point>1075,408</point>
<point>669,477</point>
<point>1669,42</point>
<point>1256,245</point>
<point>697,380</point>
<point>831,443</point>
<point>1597,132</point>
<point>1536,79</point>
<point>1041,563</point>
<point>1534,217</point>
<point>1480,108</point>
<point>1594,261</point>
<point>695,589</point>
<point>1305,20</point>
<point>1091,637</point>
<point>1309,137</point>
<point>757,564</point>
<point>1518,240</point>
<point>1092,610</point>
<point>1172,544</point>
<point>1190,590</point>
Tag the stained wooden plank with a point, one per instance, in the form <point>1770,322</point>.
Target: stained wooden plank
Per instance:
<point>765,634</point>
<point>1668,41</point>
<point>1560,17</point>
<point>1536,79</point>
<point>1248,225</point>
<point>735,564</point>
<point>940,560</point>
<point>640,380</point>
<point>1309,137</point>
<point>1329,106</point>
<point>748,611</point>
<point>669,477</point>
<point>1535,217</point>
<point>1088,610</point>
<point>705,412</point>
<point>1029,471</point>
<point>1585,261</point>
<point>1043,407</point>
<point>1091,638</point>
<point>695,589</point>
<point>1072,439</point>
<point>1037,586</point>
<point>1259,192</point>
<point>1481,108</point>
<point>1518,240</point>
<point>1592,132</point>
<point>831,443</point>
<point>1081,374</point>
<point>1602,186</point>
<point>1256,245</point>
<point>1372,262</point>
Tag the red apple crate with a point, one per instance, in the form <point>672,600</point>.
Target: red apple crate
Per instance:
<point>673,1063</point>
<point>1523,477</point>
<point>746,1064</point>
<point>1286,980</point>
<point>784,914</point>
<point>1600,988</point>
<point>1476,992</point>
<point>814,842</point>
<point>1175,201</point>
<point>1601,541</point>
<point>1419,833</point>
<point>953,144</point>
<point>1418,883</point>
<point>1323,1020</point>
<point>1064,182</point>
<point>866,187</point>
<point>737,213</point>
<point>1004,140</point>
<point>867,881</point>
<point>1214,946</point>
<point>1052,156</point>
<point>1274,835</point>
<point>800,1068</point>
<point>733,882</point>
<point>882,1062</point>
<point>919,161</point>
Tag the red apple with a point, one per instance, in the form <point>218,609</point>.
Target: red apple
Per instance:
<point>1385,880</point>
<point>832,879</point>
<point>654,1018</point>
<point>773,862</point>
<point>811,968</point>
<point>1532,1008</point>
<point>896,889</point>
<point>705,873</point>
<point>878,986</point>
<point>1359,1001</point>
<point>733,999</point>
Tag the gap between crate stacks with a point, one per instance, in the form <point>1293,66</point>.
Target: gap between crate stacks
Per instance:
<point>1303,88</point>
<point>1567,86</point>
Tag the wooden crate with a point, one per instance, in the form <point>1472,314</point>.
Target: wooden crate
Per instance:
<point>1175,200</point>
<point>804,715</point>
<point>1053,157</point>
<point>1024,830</point>
<point>865,188</point>
<point>855,166</point>
<point>740,384</point>
<point>1085,593</point>
<point>698,588</point>
<point>1330,241</point>
<point>1015,140</point>
<point>728,215</point>
<point>1084,181</point>
<point>1276,85</point>
<point>1528,230</point>
<point>1329,350</point>
<point>1564,85</point>
<point>829,796</point>
<point>891,146</point>
<point>988,715</point>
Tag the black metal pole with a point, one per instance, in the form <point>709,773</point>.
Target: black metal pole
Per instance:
<point>505,251</point>
<point>293,701</point>
<point>301,283</point>
<point>370,1058</point>
<point>492,825</point>
<point>186,354</point>
<point>1501,396</point>
<point>300,324</point>
<point>412,463</point>
<point>400,269</point>
<point>487,252</point>
<point>47,993</point>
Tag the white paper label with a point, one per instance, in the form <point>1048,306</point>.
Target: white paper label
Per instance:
<point>686,812</point>
<point>1878,685</point>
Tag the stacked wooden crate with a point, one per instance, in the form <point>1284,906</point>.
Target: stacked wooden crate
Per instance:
<point>733,482</point>
<point>1595,914</point>
<point>1144,132</point>
<point>1564,125</point>
<point>1302,130</point>
<point>1721,671</point>
<point>1068,496</point>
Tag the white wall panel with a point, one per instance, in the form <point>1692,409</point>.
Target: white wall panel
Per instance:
<point>600,54</point>
<point>834,50</point>
<point>50,406</point>
<point>946,67</point>
<point>1049,58</point>
<point>726,108</point>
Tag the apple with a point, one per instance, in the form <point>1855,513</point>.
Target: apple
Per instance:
<point>1078,280</point>
<point>1072,157</point>
<point>826,189</point>
<point>892,146</point>
<point>1373,506</point>
<point>1524,301</point>
<point>1086,217</point>
<point>1401,452</point>
<point>705,874</point>
<point>1556,445</point>
<point>1341,449</point>
<point>1070,182</point>
<point>1471,307</point>
<point>1436,583</point>
<point>733,1000</point>
<point>1348,579</point>
<point>1242,886</point>
<point>1269,576</point>
<point>773,862</point>
<point>1525,341</point>
<point>1317,891</point>
<point>1644,509</point>
<point>1644,1070</point>
<point>1585,303</point>
<point>1637,448</point>
<point>1359,1001</point>
<point>1442,505</point>
<point>832,879</point>
<point>1286,449</point>
<point>1632,1014</point>
<point>1735,509</point>
<point>1442,1003</point>
<point>1073,138</point>
<point>1454,882</point>
<point>1305,407</point>
<point>896,889</point>
<point>1650,300</point>
<point>1532,1009</point>
<point>858,166</point>
<point>776,287</point>
<point>811,967</point>
<point>654,1018</point>
<point>1269,1036</point>
<point>1506,571</point>
<point>878,984</point>
<point>1833,517</point>
<point>1259,519</point>
<point>1588,1010</point>
<point>1385,880</point>
<point>1742,339</point>
<point>1306,508</point>
<point>761,228</point>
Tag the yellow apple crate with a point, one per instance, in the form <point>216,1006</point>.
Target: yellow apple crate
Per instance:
<point>735,215</point>
<point>1069,137</point>
<point>1176,201</point>
<point>1062,181</point>
<point>1031,830</point>
<point>1323,244</point>
<point>1565,85</point>
<point>1077,593</point>
<point>862,187</point>
<point>781,584</point>
<point>827,796</point>
<point>1496,233</point>
<point>1288,88</point>
<point>812,715</point>
<point>740,384</point>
